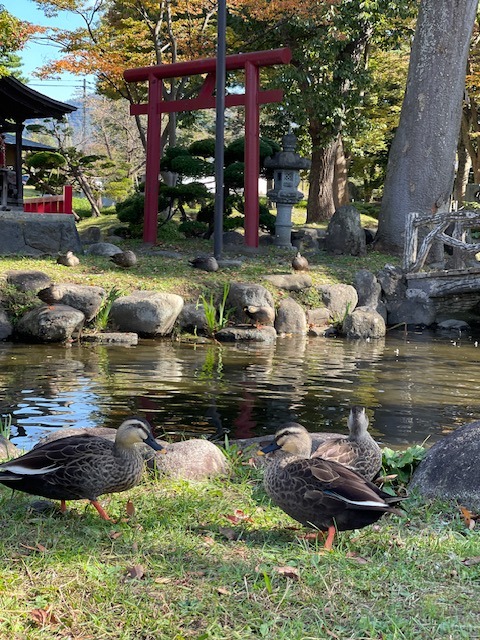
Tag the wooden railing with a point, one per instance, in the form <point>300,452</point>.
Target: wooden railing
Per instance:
<point>414,256</point>
<point>50,204</point>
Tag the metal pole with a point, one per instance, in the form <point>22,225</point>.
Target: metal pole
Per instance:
<point>219,127</point>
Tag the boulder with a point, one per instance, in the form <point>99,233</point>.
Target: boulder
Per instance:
<point>244,294</point>
<point>192,319</point>
<point>54,323</point>
<point>194,459</point>
<point>87,299</point>
<point>106,249</point>
<point>290,318</point>
<point>364,323</point>
<point>339,299</point>
<point>368,289</point>
<point>345,234</point>
<point>6,328</point>
<point>290,281</point>
<point>91,235</point>
<point>416,308</point>
<point>147,313</point>
<point>33,234</point>
<point>28,280</point>
<point>450,469</point>
<point>7,449</point>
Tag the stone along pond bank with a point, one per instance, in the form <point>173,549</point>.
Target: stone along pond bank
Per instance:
<point>62,312</point>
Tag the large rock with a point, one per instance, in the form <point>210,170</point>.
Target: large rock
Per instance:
<point>368,289</point>
<point>290,318</point>
<point>87,299</point>
<point>339,299</point>
<point>242,295</point>
<point>290,281</point>
<point>6,328</point>
<point>34,234</point>
<point>364,323</point>
<point>106,249</point>
<point>147,313</point>
<point>55,323</point>
<point>28,280</point>
<point>345,234</point>
<point>450,469</point>
<point>192,319</point>
<point>193,459</point>
<point>415,309</point>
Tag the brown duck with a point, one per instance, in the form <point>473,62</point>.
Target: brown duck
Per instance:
<point>300,263</point>
<point>206,263</point>
<point>125,259</point>
<point>82,467</point>
<point>358,451</point>
<point>68,260</point>
<point>320,493</point>
<point>260,315</point>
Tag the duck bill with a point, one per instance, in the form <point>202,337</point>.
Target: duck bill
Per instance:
<point>154,444</point>
<point>273,446</point>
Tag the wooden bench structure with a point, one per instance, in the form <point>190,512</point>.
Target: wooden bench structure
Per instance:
<point>50,204</point>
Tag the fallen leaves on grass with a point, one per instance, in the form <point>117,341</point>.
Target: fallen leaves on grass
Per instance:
<point>469,518</point>
<point>237,516</point>
<point>136,572</point>
<point>42,617</point>
<point>288,572</point>
<point>470,562</point>
<point>37,547</point>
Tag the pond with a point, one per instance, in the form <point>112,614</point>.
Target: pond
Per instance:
<point>415,386</point>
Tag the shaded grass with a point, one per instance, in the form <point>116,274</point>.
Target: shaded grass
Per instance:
<point>198,575</point>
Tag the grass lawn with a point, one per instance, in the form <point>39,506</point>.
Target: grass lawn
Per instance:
<point>174,275</point>
<point>217,561</point>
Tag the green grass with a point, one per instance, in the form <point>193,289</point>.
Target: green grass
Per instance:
<point>180,568</point>
<point>176,276</point>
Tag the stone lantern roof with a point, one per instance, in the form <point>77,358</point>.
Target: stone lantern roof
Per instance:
<point>288,158</point>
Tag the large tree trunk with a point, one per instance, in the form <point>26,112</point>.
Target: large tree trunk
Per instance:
<point>464,166</point>
<point>340,176</point>
<point>321,202</point>
<point>421,163</point>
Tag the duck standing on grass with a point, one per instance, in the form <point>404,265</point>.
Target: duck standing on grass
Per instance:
<point>82,467</point>
<point>319,493</point>
<point>300,263</point>
<point>358,451</point>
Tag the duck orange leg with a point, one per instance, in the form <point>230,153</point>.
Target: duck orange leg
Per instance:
<point>330,537</point>
<point>63,506</point>
<point>100,509</point>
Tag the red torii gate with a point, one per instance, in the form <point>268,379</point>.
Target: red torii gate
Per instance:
<point>251,100</point>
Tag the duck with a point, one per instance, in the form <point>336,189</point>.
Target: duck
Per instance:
<point>50,295</point>
<point>300,263</point>
<point>206,263</point>
<point>318,493</point>
<point>68,259</point>
<point>260,314</point>
<point>358,451</point>
<point>125,259</point>
<point>82,466</point>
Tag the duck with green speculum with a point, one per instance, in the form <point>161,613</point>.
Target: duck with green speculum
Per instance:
<point>82,467</point>
<point>319,493</point>
<point>358,451</point>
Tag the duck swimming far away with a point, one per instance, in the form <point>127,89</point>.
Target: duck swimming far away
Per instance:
<point>320,493</point>
<point>82,467</point>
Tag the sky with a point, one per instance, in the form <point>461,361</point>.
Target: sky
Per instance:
<point>35,55</point>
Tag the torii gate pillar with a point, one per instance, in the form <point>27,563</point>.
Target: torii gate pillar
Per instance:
<point>251,100</point>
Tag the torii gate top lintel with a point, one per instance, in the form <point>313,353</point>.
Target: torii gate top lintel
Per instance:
<point>251,99</point>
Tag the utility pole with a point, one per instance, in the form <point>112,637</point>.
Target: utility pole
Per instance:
<point>219,128</point>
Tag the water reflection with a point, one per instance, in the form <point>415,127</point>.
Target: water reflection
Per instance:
<point>414,387</point>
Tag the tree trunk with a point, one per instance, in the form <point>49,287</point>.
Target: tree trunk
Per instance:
<point>421,162</point>
<point>340,176</point>
<point>464,166</point>
<point>321,202</point>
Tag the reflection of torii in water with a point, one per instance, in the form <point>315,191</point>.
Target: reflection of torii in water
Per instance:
<point>251,100</point>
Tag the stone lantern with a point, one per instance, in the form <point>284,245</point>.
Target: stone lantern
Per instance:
<point>286,167</point>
